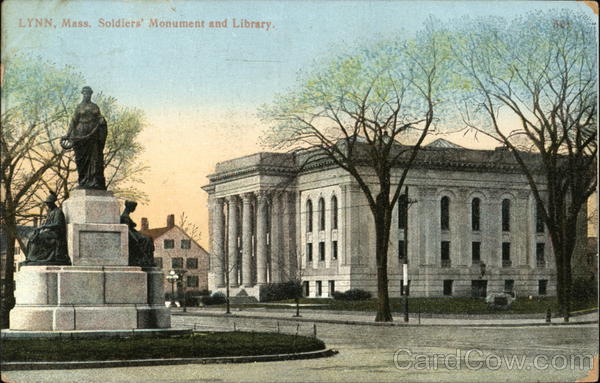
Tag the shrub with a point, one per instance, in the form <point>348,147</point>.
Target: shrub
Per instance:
<point>280,291</point>
<point>352,295</point>
<point>582,290</point>
<point>216,298</point>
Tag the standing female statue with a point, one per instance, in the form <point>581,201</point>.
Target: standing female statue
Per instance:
<point>87,136</point>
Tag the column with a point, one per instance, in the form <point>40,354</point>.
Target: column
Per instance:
<point>247,239</point>
<point>287,221</point>
<point>232,232</point>
<point>261,238</point>
<point>218,242</point>
<point>276,240</point>
<point>461,229</point>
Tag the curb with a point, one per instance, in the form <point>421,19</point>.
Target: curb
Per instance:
<point>16,366</point>
<point>389,324</point>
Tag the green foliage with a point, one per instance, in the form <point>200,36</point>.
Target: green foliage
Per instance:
<point>198,345</point>
<point>279,291</point>
<point>217,298</point>
<point>352,295</point>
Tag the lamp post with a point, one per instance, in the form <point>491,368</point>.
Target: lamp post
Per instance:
<point>405,283</point>
<point>172,277</point>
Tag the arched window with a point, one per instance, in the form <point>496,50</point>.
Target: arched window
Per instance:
<point>475,214</point>
<point>334,213</point>
<point>402,211</point>
<point>309,216</point>
<point>445,213</point>
<point>321,214</point>
<point>505,215</point>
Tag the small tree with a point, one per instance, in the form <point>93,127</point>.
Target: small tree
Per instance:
<point>369,113</point>
<point>541,70</point>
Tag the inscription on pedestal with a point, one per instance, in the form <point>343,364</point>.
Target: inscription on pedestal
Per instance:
<point>98,244</point>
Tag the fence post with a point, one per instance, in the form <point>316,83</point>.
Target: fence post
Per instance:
<point>278,327</point>
<point>314,330</point>
<point>548,316</point>
<point>234,328</point>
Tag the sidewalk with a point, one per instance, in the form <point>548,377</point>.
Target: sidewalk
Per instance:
<point>367,318</point>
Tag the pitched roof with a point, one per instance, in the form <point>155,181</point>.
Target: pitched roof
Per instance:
<point>156,232</point>
<point>441,143</point>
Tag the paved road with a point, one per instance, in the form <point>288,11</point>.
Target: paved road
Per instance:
<point>367,355</point>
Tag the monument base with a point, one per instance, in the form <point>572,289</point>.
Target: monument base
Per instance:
<point>60,298</point>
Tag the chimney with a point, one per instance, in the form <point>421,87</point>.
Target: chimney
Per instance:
<point>170,220</point>
<point>144,223</point>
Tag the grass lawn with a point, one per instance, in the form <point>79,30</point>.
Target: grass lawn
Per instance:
<point>455,305</point>
<point>198,345</point>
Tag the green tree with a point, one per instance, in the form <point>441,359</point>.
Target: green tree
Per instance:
<point>38,99</point>
<point>542,70</point>
<point>368,112</point>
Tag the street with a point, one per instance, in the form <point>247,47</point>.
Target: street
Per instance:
<point>380,354</point>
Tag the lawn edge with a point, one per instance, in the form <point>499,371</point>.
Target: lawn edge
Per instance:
<point>20,366</point>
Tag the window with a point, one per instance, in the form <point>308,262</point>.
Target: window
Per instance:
<point>331,288</point>
<point>475,252</point>
<point>321,251</point>
<point>169,243</point>
<point>539,219</point>
<point>445,213</point>
<point>177,263</point>
<point>192,281</point>
<point>402,211</point>
<point>505,215</point>
<point>309,252</point>
<point>334,213</point>
<point>475,214</point>
<point>309,216</point>
<point>321,214</point>
<point>191,263</point>
<point>445,253</point>
<point>401,250</point>
<point>509,286</point>
<point>306,288</point>
<point>186,244</point>
<point>540,258</point>
<point>158,261</point>
<point>542,287</point>
<point>334,250</point>
<point>478,288</point>
<point>448,287</point>
<point>506,262</point>
<point>319,287</point>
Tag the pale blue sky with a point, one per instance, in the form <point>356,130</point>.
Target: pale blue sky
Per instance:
<point>152,67</point>
<point>200,88</point>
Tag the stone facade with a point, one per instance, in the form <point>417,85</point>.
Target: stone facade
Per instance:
<point>472,227</point>
<point>175,250</point>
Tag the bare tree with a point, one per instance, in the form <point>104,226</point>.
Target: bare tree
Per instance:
<point>190,228</point>
<point>369,113</point>
<point>541,70</point>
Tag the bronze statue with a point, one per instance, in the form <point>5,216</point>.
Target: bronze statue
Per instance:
<point>141,247</point>
<point>48,243</point>
<point>87,136</point>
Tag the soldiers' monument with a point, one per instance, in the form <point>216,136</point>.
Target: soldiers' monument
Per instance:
<point>87,268</point>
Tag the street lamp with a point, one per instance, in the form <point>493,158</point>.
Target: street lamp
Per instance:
<point>172,278</point>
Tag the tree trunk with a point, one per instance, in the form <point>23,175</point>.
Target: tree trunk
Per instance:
<point>8,290</point>
<point>563,252</point>
<point>382,232</point>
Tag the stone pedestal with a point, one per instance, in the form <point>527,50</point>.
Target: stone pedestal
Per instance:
<point>95,236</point>
<point>100,291</point>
